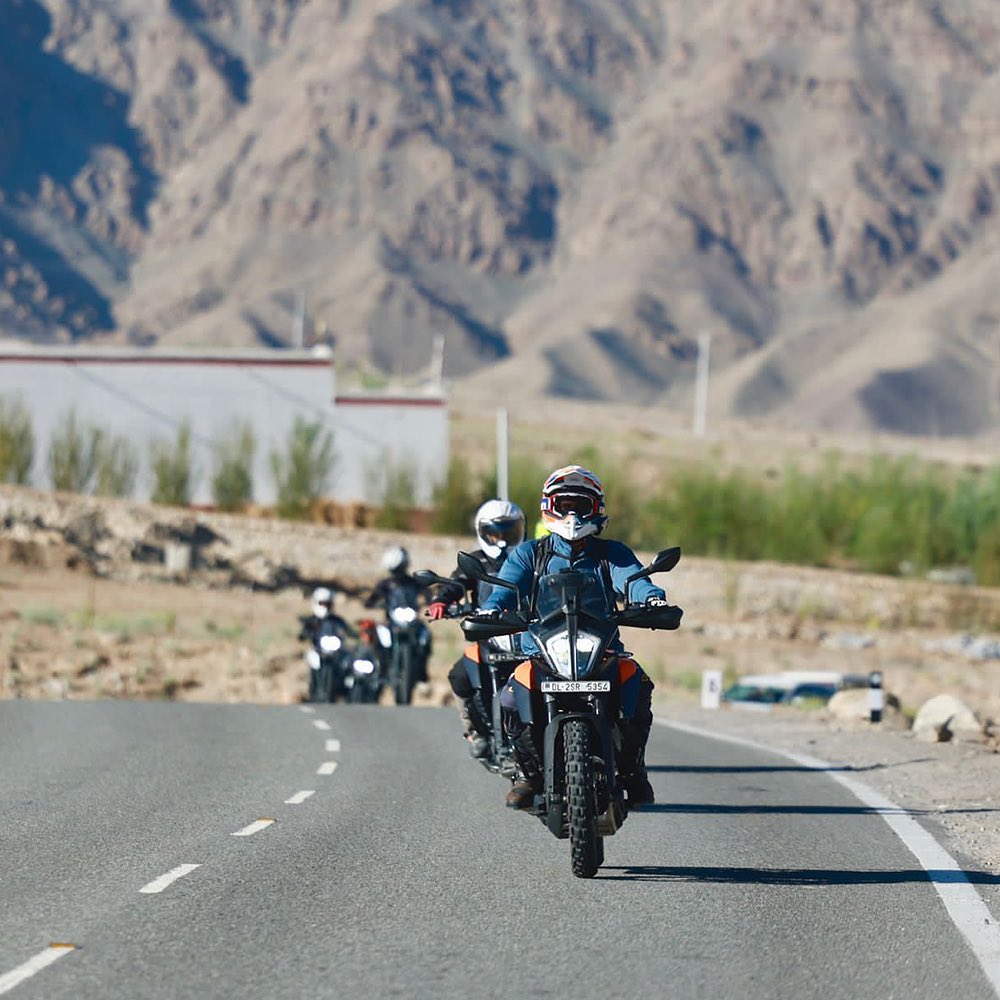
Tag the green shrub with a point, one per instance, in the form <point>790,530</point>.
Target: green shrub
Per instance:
<point>304,470</point>
<point>17,441</point>
<point>392,486</point>
<point>232,479</point>
<point>173,468</point>
<point>73,455</point>
<point>117,467</point>
<point>456,499</point>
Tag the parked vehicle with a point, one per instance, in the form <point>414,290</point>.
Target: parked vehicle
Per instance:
<point>582,799</point>
<point>790,687</point>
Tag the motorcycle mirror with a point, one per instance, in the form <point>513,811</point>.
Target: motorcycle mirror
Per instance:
<point>663,562</point>
<point>427,578</point>
<point>471,566</point>
<point>475,570</point>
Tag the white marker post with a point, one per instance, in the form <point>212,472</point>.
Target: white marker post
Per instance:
<point>711,688</point>
<point>701,384</point>
<point>503,482</point>
<point>876,696</point>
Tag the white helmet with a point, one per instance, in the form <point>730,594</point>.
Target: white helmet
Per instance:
<point>395,560</point>
<point>573,503</point>
<point>322,601</point>
<point>499,525</point>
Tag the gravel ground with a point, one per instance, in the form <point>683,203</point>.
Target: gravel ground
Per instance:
<point>953,784</point>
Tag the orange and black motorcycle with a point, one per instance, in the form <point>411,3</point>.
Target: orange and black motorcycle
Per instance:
<point>576,702</point>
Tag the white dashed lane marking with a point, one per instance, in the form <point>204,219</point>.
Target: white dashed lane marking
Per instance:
<point>299,797</point>
<point>308,709</point>
<point>320,724</point>
<point>327,768</point>
<point>333,746</point>
<point>255,827</point>
<point>27,969</point>
<point>161,883</point>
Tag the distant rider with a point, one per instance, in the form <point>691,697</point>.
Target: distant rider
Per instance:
<point>499,528</point>
<point>572,508</point>
<point>401,590</point>
<point>321,606</point>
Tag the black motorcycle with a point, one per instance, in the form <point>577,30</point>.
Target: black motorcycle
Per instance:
<point>364,679</point>
<point>406,642</point>
<point>582,799</point>
<point>327,658</point>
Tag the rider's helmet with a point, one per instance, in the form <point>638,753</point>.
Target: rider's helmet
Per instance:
<point>499,526</point>
<point>322,601</point>
<point>573,503</point>
<point>395,560</point>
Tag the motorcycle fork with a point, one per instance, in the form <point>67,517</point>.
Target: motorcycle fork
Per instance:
<point>598,718</point>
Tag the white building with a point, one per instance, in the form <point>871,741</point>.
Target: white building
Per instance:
<point>145,394</point>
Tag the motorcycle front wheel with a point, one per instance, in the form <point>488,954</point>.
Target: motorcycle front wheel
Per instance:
<point>586,848</point>
<point>404,675</point>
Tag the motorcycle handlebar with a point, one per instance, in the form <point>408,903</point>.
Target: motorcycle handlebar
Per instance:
<point>657,616</point>
<point>478,627</point>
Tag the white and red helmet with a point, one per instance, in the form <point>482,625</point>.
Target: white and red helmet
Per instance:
<point>573,503</point>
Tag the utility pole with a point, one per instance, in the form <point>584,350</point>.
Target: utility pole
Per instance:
<point>503,483</point>
<point>437,363</point>
<point>299,327</point>
<point>701,384</point>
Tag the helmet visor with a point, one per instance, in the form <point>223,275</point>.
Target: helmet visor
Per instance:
<point>563,504</point>
<point>502,531</point>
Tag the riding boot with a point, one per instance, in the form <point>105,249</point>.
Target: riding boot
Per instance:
<point>632,761</point>
<point>479,744</point>
<point>529,782</point>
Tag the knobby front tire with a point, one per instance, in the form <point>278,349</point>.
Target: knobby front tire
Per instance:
<point>586,849</point>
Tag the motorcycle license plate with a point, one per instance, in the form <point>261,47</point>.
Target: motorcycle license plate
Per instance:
<point>574,687</point>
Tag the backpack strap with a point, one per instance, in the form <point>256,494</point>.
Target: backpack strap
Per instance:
<point>543,554</point>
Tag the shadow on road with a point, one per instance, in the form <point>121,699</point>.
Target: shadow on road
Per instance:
<point>794,876</point>
<point>780,769</point>
<point>802,810</point>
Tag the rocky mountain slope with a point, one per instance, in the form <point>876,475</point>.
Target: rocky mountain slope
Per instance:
<point>569,190</point>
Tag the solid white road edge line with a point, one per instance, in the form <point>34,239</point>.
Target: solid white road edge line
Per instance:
<point>255,827</point>
<point>299,797</point>
<point>159,884</point>
<point>327,768</point>
<point>968,912</point>
<point>320,724</point>
<point>26,970</point>
<point>333,746</point>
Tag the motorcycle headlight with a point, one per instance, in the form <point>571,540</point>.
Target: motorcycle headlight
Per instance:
<point>329,643</point>
<point>312,658</point>
<point>364,667</point>
<point>557,649</point>
<point>403,616</point>
<point>384,635</point>
<point>503,642</point>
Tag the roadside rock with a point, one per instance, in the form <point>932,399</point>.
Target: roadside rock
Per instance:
<point>945,717</point>
<point>851,705</point>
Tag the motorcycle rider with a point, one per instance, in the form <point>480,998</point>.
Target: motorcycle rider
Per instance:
<point>399,588</point>
<point>572,508</point>
<point>321,605</point>
<point>500,526</point>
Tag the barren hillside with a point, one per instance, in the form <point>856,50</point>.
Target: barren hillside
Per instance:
<point>570,191</point>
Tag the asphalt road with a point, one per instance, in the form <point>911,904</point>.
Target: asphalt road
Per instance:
<point>403,875</point>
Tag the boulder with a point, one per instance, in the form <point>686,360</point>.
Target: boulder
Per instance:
<point>851,705</point>
<point>945,717</point>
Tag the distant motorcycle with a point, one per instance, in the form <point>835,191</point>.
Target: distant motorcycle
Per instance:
<point>326,658</point>
<point>582,799</point>
<point>364,681</point>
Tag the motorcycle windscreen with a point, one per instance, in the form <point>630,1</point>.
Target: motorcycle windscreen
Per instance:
<point>557,590</point>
